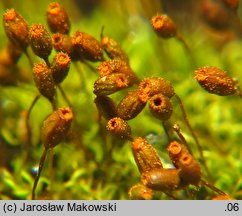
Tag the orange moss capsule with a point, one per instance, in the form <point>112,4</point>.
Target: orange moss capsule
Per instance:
<point>106,106</point>
<point>161,179</point>
<point>156,85</point>
<point>160,107</point>
<point>60,67</point>
<point>190,172</point>
<point>16,29</point>
<point>131,105</point>
<point>40,41</point>
<point>176,150</point>
<point>56,127</point>
<point>115,66</point>
<point>58,19</point>
<point>113,49</point>
<point>140,192</point>
<point>63,43</point>
<point>164,26</point>
<point>120,128</point>
<point>87,46</point>
<point>145,155</point>
<point>111,83</point>
<point>44,80</point>
<point>215,81</point>
<point>215,15</point>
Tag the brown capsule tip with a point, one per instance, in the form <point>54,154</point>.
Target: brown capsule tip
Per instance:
<point>143,96</point>
<point>164,26</point>
<point>37,31</point>
<point>186,159</point>
<point>215,81</point>
<point>119,127</point>
<point>56,39</point>
<point>174,148</point>
<point>60,67</point>
<point>66,114</point>
<point>54,8</point>
<point>160,107</point>
<point>138,144</point>
<point>63,59</point>
<point>121,82</point>
<point>39,68</point>
<point>10,15</point>
<point>77,40</point>
<point>104,69</point>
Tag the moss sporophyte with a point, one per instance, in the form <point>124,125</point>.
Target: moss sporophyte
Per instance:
<point>105,96</point>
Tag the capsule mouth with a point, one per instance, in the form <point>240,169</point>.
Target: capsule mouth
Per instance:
<point>186,159</point>
<point>10,15</point>
<point>67,114</point>
<point>56,39</point>
<point>63,59</point>
<point>158,21</point>
<point>37,31</point>
<point>121,81</point>
<point>104,69</point>
<point>138,144</point>
<point>77,38</point>
<point>157,101</point>
<point>113,124</point>
<point>40,68</point>
<point>54,8</point>
<point>174,148</point>
<point>145,86</point>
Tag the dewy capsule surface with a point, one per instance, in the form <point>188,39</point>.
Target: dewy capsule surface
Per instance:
<point>16,29</point>
<point>164,26</point>
<point>58,19</point>
<point>56,127</point>
<point>40,41</point>
<point>145,155</point>
<point>215,81</point>
<point>44,80</point>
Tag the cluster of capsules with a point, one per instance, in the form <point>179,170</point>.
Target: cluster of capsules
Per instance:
<point>186,169</point>
<point>115,75</point>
